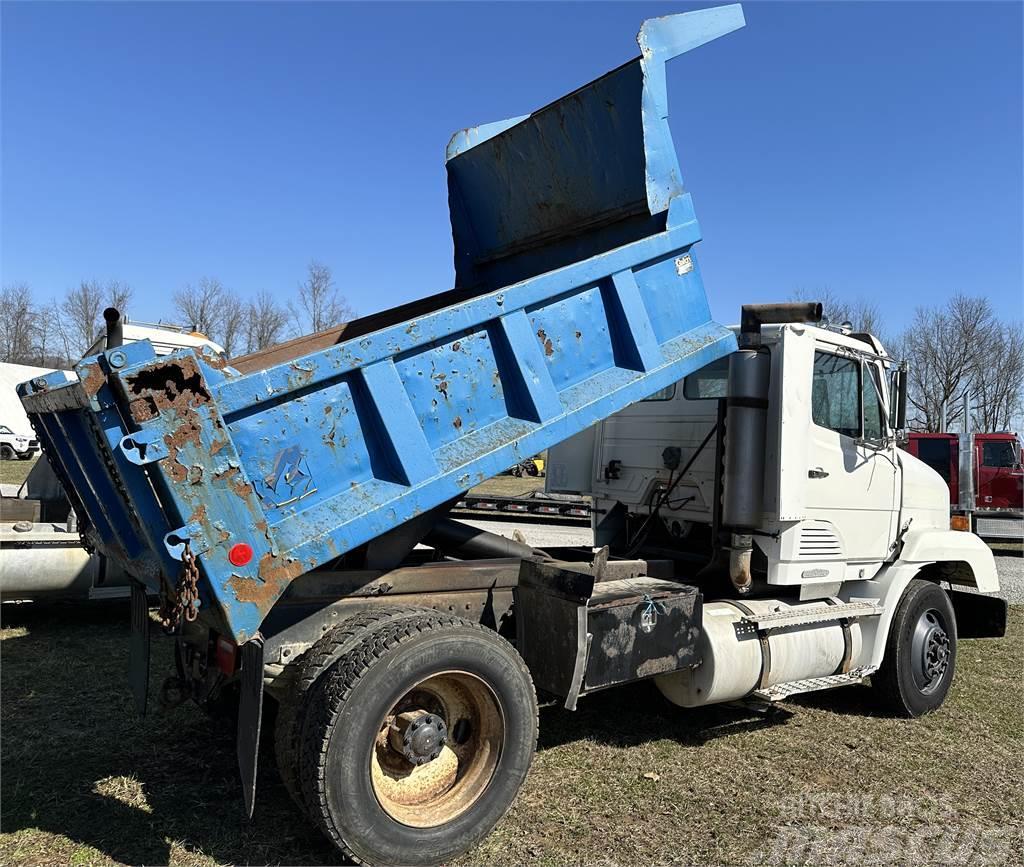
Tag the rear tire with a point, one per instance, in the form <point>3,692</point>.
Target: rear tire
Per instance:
<point>331,646</point>
<point>418,740</point>
<point>920,652</point>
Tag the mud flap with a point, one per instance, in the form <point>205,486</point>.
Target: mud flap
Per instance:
<point>138,648</point>
<point>250,717</point>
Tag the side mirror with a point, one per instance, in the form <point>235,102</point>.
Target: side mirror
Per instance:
<point>902,381</point>
<point>898,383</point>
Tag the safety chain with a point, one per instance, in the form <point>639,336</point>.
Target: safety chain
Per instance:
<point>185,601</point>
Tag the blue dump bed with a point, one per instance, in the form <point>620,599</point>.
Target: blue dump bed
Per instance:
<point>577,293</point>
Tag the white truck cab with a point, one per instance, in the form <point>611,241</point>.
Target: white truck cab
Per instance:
<point>776,473</point>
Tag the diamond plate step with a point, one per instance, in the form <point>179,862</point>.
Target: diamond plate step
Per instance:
<point>814,615</point>
<point>813,684</point>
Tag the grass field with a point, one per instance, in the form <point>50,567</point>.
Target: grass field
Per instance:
<point>14,472</point>
<point>627,779</point>
<point>509,486</point>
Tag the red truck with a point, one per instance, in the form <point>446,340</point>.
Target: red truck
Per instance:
<point>985,478</point>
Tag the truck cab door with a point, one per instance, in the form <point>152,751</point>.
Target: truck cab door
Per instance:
<point>999,473</point>
<point>852,473</point>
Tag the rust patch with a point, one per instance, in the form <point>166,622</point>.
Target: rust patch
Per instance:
<point>579,334</point>
<point>240,487</point>
<point>224,535</point>
<point>455,346</point>
<point>198,514</point>
<point>187,433</point>
<point>94,380</point>
<point>276,573</point>
<point>457,424</point>
<point>549,349</point>
<point>176,385</point>
<point>217,446</point>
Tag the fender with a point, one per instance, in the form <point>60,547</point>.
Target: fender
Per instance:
<point>956,549</point>
<point>962,558</point>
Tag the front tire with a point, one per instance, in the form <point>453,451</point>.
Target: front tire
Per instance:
<point>920,653</point>
<point>6,453</point>
<point>417,741</point>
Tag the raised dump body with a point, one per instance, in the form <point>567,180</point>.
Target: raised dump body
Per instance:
<point>577,293</point>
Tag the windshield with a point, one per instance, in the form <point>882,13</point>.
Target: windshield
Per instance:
<point>5,430</point>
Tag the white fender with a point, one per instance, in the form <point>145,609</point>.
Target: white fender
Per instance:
<point>921,548</point>
<point>950,546</point>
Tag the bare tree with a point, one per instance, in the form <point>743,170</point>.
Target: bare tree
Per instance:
<point>862,314</point>
<point>320,305</point>
<point>201,305</point>
<point>945,347</point>
<point>119,295</point>
<point>997,387</point>
<point>234,314</point>
<point>267,322</point>
<point>18,323</point>
<point>81,310</point>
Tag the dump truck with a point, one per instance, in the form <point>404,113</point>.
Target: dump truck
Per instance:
<point>757,532</point>
<point>985,479</point>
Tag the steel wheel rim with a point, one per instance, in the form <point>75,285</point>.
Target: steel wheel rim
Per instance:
<point>454,773</point>
<point>930,650</point>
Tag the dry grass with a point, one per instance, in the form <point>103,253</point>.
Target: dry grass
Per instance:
<point>509,486</point>
<point>14,472</point>
<point>85,782</point>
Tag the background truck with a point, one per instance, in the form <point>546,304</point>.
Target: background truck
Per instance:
<point>985,478</point>
<point>758,532</point>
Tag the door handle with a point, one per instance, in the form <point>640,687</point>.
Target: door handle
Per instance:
<point>817,473</point>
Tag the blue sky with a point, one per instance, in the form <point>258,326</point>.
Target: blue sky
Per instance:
<point>873,148</point>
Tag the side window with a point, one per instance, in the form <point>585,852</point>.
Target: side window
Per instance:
<point>666,393</point>
<point>835,394</point>
<point>708,383</point>
<point>937,453</point>
<point>997,454</point>
<point>874,414</point>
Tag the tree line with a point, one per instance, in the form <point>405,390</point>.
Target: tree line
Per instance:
<point>954,349</point>
<point>56,332</point>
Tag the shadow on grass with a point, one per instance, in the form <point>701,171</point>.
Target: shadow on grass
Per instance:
<point>78,763</point>
<point>630,715</point>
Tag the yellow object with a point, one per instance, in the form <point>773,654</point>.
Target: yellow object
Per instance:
<point>960,522</point>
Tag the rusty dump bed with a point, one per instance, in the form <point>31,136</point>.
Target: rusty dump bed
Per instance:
<point>577,293</point>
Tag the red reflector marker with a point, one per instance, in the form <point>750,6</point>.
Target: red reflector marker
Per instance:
<point>226,652</point>
<point>240,554</point>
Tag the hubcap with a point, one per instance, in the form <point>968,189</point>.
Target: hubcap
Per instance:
<point>930,650</point>
<point>437,749</point>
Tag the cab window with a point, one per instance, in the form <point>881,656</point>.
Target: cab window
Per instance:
<point>835,394</point>
<point>666,393</point>
<point>709,382</point>
<point>998,454</point>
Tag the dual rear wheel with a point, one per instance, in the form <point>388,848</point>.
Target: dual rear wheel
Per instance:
<point>413,741</point>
